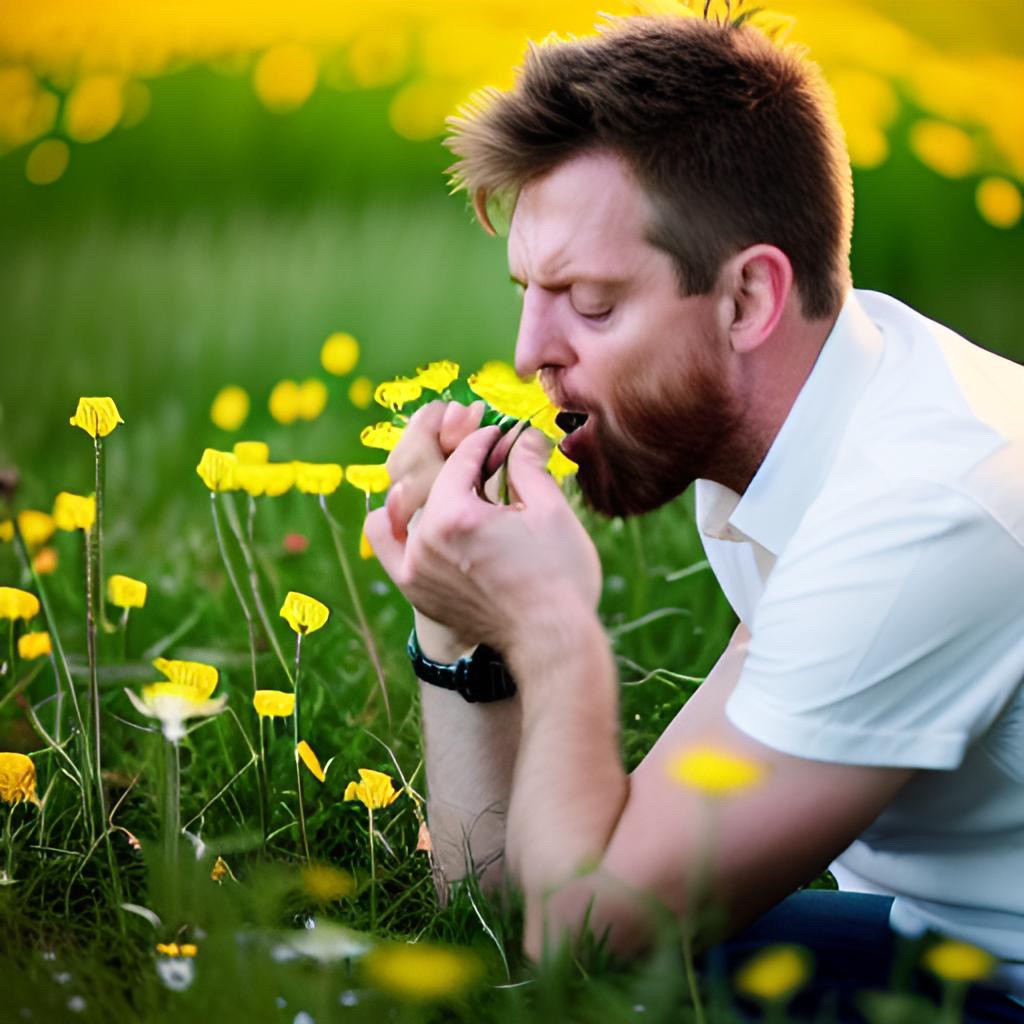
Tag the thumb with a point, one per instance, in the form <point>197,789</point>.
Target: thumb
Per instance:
<point>527,468</point>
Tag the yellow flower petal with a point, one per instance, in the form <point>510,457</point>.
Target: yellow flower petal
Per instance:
<point>17,778</point>
<point>172,704</point>
<point>168,949</point>
<point>365,550</point>
<point>559,466</point>
<point>959,961</point>
<point>285,402</point>
<point>420,972</point>
<point>217,470</point>
<point>326,884</point>
<point>393,394</point>
<point>18,604</point>
<point>303,613</point>
<point>220,870</point>
<point>125,592</point>
<point>312,398</point>
<point>273,703</point>
<point>369,479</point>
<point>360,392</point>
<point>713,771</point>
<point>230,408</point>
<point>96,416</point>
<point>272,479</point>
<point>251,453</point>
<point>199,678</point>
<point>339,354</point>
<point>318,477</point>
<point>310,760</point>
<point>34,645</point>
<point>374,789</point>
<point>381,435</point>
<point>74,511</point>
<point>188,949</point>
<point>774,973</point>
<point>36,527</point>
<point>437,376</point>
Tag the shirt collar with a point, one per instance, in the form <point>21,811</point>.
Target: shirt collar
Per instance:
<point>800,456</point>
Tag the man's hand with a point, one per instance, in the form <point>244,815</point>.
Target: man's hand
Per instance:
<point>491,573</point>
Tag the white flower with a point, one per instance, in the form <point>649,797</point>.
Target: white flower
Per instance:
<point>173,704</point>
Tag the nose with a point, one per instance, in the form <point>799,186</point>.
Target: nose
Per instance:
<point>541,341</point>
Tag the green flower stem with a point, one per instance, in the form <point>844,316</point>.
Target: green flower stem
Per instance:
<point>101,605</point>
<point>691,975</point>
<point>9,667</point>
<point>264,781</point>
<point>172,803</point>
<point>123,627</point>
<point>230,569</point>
<point>353,592</point>
<point>8,846</point>
<point>295,731</point>
<point>58,713</point>
<point>373,875</point>
<point>254,579</point>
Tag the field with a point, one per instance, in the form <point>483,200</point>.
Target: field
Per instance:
<point>218,244</point>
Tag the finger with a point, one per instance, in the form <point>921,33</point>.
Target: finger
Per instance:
<point>458,422</point>
<point>390,550</point>
<point>527,469</point>
<point>461,473</point>
<point>419,442</point>
<point>499,453</point>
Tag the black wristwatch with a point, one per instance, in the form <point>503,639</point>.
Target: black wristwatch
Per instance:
<point>480,677</point>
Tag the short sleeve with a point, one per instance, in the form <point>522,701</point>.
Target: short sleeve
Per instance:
<point>890,632</point>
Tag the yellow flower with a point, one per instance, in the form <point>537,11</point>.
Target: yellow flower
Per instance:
<point>18,604</point>
<point>312,398</point>
<point>774,973</point>
<point>173,949</point>
<point>360,392</point>
<point>17,778</point>
<point>305,752</point>
<point>381,435</point>
<point>34,645</point>
<point>374,790</point>
<point>369,479</point>
<point>74,512</point>
<point>304,614</point>
<point>365,550</point>
<point>318,477</point>
<point>438,375</point>
<point>36,527</point>
<point>420,972</point>
<point>96,416</point>
<point>285,76</point>
<point>339,354</point>
<point>959,961</point>
<point>220,870</point>
<point>45,561</point>
<point>217,469</point>
<point>273,703</point>
<point>326,884</point>
<point>199,678</point>
<point>230,407</point>
<point>559,466</point>
<point>999,202</point>
<point>944,148</point>
<point>173,704</point>
<point>125,592</point>
<point>6,531</point>
<point>713,771</point>
<point>285,402</point>
<point>251,453</point>
<point>271,479</point>
<point>393,394</point>
<point>503,389</point>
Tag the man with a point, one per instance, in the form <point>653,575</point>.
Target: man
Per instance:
<point>681,224</point>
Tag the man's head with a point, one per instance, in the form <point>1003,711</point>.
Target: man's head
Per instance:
<point>733,138</point>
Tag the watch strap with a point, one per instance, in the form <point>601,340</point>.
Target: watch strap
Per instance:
<point>479,677</point>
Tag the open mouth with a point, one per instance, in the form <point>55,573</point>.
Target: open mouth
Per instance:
<point>570,421</point>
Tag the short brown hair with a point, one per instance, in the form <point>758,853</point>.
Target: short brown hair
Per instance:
<point>733,138</point>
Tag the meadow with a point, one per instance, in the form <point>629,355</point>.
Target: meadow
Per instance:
<point>180,257</point>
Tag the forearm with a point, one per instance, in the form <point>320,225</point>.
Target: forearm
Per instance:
<point>570,787</point>
<point>470,754</point>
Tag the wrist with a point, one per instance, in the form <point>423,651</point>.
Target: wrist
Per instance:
<point>438,642</point>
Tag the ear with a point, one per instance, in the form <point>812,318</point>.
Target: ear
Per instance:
<point>759,281</point>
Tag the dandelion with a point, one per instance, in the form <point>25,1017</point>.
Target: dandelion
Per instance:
<point>17,779</point>
<point>285,402</point>
<point>125,592</point>
<point>381,435</point>
<point>312,398</point>
<point>774,974</point>
<point>36,527</point>
<point>217,470</point>
<point>393,394</point>
<point>326,884</point>
<point>45,561</point>
<point>339,354</point>
<point>374,791</point>
<point>318,478</point>
<point>360,392</point>
<point>303,613</point>
<point>98,417</point>
<point>34,645</point>
<point>437,375</point>
<point>74,511</point>
<point>230,408</point>
<point>251,453</point>
<point>18,604</point>
<point>369,479</point>
<point>959,961</point>
<point>714,772</point>
<point>420,972</point>
<point>273,703</point>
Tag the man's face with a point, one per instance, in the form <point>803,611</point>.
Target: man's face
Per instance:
<point>606,327</point>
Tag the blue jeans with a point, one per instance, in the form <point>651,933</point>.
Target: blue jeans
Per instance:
<point>854,949</point>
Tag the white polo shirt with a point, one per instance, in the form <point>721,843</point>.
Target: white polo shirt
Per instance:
<point>878,559</point>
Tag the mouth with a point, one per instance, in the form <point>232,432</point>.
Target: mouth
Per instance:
<point>569,421</point>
